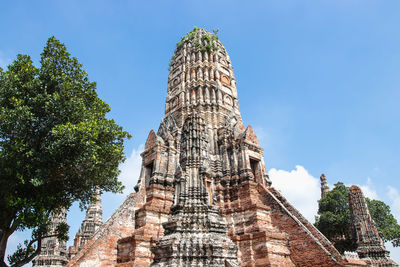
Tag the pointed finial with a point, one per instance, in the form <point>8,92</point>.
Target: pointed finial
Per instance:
<point>324,185</point>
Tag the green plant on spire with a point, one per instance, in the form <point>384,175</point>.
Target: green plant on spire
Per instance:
<point>205,43</point>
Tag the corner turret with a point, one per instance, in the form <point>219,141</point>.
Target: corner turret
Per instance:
<point>324,185</point>
<point>93,220</point>
<point>370,246</point>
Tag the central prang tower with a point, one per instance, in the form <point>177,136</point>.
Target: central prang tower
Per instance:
<point>201,108</point>
<point>201,161</point>
<point>204,197</point>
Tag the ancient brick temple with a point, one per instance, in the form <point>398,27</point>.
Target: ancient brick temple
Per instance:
<point>204,197</point>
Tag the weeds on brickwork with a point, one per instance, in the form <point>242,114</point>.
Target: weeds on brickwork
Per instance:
<point>205,43</point>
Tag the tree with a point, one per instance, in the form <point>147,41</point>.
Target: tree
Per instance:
<point>388,228</point>
<point>56,145</point>
<point>334,219</point>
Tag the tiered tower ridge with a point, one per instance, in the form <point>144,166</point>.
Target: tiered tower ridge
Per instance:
<point>93,220</point>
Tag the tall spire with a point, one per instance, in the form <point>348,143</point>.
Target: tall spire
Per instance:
<point>201,78</point>
<point>369,244</point>
<point>93,220</point>
<point>53,252</point>
<point>201,98</point>
<point>324,185</point>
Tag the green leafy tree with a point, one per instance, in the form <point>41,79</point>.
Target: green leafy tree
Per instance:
<point>334,219</point>
<point>56,145</point>
<point>388,228</point>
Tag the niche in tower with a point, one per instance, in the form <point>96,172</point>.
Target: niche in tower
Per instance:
<point>209,187</point>
<point>255,169</point>
<point>149,172</point>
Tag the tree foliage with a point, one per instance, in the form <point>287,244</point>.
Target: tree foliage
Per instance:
<point>388,228</point>
<point>56,144</point>
<point>334,219</point>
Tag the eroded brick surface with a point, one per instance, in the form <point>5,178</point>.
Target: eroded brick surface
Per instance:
<point>370,246</point>
<point>101,250</point>
<point>204,197</point>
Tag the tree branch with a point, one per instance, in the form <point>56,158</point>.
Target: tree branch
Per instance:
<point>30,257</point>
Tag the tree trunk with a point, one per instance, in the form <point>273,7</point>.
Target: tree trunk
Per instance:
<point>3,245</point>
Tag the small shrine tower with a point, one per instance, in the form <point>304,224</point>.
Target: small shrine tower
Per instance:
<point>53,252</point>
<point>93,220</point>
<point>370,246</point>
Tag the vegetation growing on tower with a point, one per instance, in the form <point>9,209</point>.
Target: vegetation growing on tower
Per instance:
<point>206,42</point>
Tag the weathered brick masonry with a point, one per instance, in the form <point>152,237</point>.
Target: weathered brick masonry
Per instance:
<point>204,197</point>
<point>101,250</point>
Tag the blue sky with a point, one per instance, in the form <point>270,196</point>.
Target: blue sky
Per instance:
<point>318,80</point>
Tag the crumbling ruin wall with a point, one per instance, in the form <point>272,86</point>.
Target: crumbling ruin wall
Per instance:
<point>101,250</point>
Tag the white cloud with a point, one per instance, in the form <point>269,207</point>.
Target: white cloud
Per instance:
<point>368,190</point>
<point>395,201</point>
<point>300,188</point>
<point>130,170</point>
